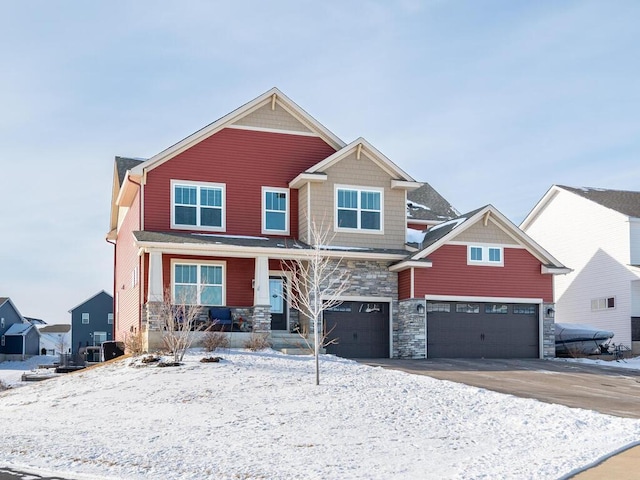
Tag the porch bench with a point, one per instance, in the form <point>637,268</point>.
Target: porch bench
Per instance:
<point>220,319</point>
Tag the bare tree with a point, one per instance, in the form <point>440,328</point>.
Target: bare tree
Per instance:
<point>61,343</point>
<point>179,320</point>
<point>317,283</point>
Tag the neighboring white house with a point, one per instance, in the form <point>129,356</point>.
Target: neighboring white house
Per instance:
<point>596,233</point>
<point>55,339</point>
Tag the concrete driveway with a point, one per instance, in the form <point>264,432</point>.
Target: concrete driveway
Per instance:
<point>605,389</point>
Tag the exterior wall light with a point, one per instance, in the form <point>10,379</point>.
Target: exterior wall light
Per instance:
<point>420,308</point>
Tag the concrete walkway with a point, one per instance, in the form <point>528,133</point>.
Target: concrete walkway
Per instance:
<point>605,389</point>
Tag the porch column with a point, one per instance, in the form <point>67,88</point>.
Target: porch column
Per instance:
<point>155,277</point>
<point>261,282</point>
<point>261,299</point>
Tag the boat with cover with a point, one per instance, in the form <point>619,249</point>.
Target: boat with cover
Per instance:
<point>577,339</point>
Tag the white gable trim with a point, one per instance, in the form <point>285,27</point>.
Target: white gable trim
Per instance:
<point>272,130</point>
<point>362,147</point>
<point>264,99</point>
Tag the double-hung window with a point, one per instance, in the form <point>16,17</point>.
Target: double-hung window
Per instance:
<point>198,205</point>
<point>275,210</point>
<point>198,284</point>
<point>359,209</point>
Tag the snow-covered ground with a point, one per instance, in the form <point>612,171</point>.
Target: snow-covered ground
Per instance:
<point>260,416</point>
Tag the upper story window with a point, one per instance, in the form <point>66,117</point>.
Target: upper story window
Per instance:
<point>275,210</point>
<point>198,283</point>
<point>85,318</point>
<point>484,255</point>
<point>199,205</point>
<point>605,303</point>
<point>110,318</point>
<point>359,209</point>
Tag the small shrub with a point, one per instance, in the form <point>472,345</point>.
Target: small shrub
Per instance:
<point>215,340</point>
<point>150,359</point>
<point>133,344</point>
<point>210,360</point>
<point>258,341</point>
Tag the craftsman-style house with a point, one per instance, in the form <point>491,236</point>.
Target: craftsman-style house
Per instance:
<point>213,217</point>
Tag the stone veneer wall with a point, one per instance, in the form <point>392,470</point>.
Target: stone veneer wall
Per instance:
<point>409,331</point>
<point>548,332</point>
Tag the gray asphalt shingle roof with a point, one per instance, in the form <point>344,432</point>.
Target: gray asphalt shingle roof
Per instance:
<point>244,241</point>
<point>623,201</point>
<point>123,164</point>
<point>437,208</point>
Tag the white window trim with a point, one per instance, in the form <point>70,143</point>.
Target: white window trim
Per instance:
<point>359,189</point>
<point>485,255</point>
<point>266,231</point>
<point>606,302</point>
<point>222,264</point>
<point>197,226</point>
<point>109,318</point>
<point>82,317</point>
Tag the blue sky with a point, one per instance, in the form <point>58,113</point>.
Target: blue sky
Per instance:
<point>489,101</point>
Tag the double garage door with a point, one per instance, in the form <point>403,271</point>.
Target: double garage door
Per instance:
<point>358,329</point>
<point>482,330</point>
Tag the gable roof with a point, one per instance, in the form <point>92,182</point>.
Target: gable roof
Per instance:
<point>273,96</point>
<point>440,234</point>
<point>125,163</point>
<point>91,298</point>
<point>4,300</point>
<point>426,206</point>
<point>624,202</point>
<point>400,179</point>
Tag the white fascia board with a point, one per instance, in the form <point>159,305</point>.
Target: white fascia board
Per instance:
<point>372,153</point>
<point>282,100</point>
<point>398,267</point>
<point>404,185</point>
<point>541,205</point>
<point>305,178</point>
<point>128,189</point>
<point>462,298</point>
<point>251,252</point>
<point>555,270</point>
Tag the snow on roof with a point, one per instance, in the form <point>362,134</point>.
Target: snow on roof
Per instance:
<point>415,236</point>
<point>247,237</point>
<point>18,329</point>
<point>453,223</point>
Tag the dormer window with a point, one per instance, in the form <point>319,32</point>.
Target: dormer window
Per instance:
<point>359,208</point>
<point>197,205</point>
<point>484,255</point>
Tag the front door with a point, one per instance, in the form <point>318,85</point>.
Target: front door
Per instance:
<point>278,304</point>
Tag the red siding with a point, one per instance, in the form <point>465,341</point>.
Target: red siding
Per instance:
<point>450,275</point>
<point>243,160</point>
<point>127,296</point>
<point>239,273</point>
<point>404,284</point>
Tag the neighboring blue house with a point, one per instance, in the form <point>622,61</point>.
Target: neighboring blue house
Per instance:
<point>92,322</point>
<point>18,337</point>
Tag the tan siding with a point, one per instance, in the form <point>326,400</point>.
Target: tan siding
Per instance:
<point>278,119</point>
<point>362,173</point>
<point>303,195</point>
<point>489,234</point>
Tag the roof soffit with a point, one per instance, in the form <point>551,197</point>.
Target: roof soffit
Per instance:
<point>273,95</point>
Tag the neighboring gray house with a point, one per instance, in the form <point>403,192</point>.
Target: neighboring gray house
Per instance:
<point>92,322</point>
<point>18,337</point>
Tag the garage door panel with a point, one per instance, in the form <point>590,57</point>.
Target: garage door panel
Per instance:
<point>456,333</point>
<point>360,330</point>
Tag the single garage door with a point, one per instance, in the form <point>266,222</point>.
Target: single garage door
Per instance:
<point>482,330</point>
<point>360,329</point>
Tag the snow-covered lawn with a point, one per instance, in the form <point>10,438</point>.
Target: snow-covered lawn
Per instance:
<point>260,416</point>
